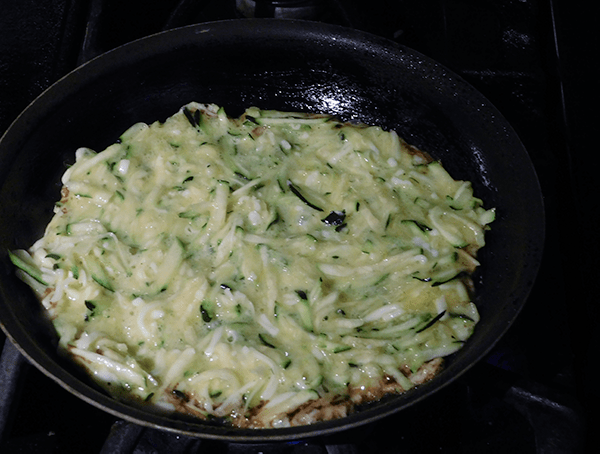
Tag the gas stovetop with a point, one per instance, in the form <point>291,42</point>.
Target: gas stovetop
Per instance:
<point>530,394</point>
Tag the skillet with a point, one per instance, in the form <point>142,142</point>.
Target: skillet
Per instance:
<point>284,65</point>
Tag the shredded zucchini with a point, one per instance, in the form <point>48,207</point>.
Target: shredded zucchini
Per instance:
<point>244,268</point>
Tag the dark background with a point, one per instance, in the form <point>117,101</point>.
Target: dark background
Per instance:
<point>535,60</point>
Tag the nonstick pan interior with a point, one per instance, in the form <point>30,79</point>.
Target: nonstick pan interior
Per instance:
<point>284,65</point>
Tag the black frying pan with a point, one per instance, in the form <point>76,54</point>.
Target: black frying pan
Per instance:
<point>285,65</point>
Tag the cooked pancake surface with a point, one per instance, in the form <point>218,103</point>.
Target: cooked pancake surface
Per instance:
<point>272,270</point>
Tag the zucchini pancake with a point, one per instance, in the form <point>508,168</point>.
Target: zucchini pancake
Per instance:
<point>271,270</point>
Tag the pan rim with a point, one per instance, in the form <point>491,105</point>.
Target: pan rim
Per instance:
<point>75,386</point>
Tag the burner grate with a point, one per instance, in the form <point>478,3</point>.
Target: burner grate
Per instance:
<point>522,398</point>
<point>489,410</point>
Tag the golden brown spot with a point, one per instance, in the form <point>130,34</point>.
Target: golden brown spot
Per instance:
<point>416,152</point>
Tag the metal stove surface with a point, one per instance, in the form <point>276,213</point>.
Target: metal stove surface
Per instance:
<point>533,391</point>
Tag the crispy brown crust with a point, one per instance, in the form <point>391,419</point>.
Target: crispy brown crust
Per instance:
<point>427,371</point>
<point>325,408</point>
<point>416,152</point>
